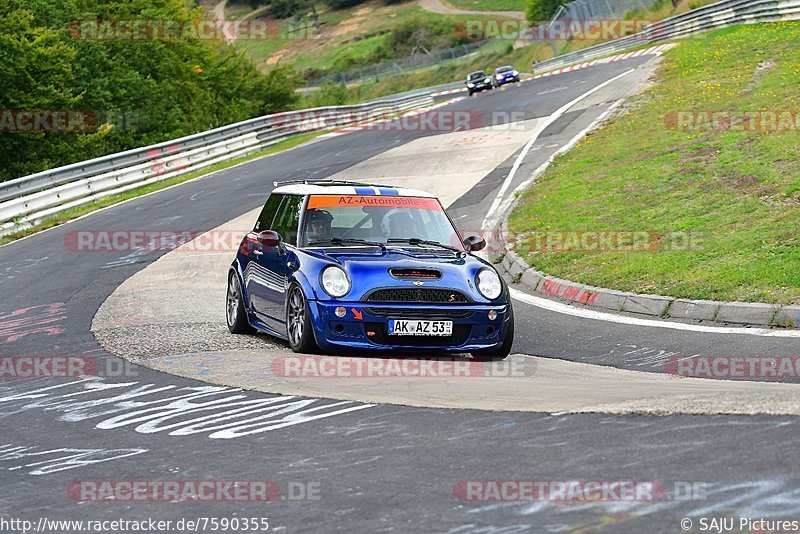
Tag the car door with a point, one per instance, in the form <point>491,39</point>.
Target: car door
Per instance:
<point>252,267</point>
<point>269,288</point>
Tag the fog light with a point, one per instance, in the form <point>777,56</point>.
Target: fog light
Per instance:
<point>340,311</point>
<point>492,315</point>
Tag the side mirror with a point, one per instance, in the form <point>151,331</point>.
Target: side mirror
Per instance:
<point>474,243</point>
<point>270,238</point>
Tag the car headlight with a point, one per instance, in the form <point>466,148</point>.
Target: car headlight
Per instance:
<point>470,84</point>
<point>515,73</point>
<point>487,80</point>
<point>488,283</point>
<point>335,281</point>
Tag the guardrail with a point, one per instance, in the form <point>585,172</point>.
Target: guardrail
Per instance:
<point>26,200</point>
<point>712,16</point>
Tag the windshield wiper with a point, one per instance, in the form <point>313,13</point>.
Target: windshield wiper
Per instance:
<point>343,240</point>
<point>417,241</point>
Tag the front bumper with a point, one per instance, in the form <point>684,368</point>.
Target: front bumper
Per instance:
<point>508,79</point>
<point>365,326</point>
<point>480,86</point>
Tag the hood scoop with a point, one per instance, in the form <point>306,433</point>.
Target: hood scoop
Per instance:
<point>413,273</point>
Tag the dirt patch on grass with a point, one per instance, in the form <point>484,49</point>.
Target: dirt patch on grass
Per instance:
<point>749,184</point>
<point>352,23</point>
<point>761,70</point>
<point>704,155</point>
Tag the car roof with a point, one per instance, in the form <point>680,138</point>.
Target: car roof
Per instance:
<point>354,189</point>
<point>482,72</point>
<point>505,67</point>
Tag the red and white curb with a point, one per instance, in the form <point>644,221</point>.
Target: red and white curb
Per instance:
<point>412,113</point>
<point>654,50</point>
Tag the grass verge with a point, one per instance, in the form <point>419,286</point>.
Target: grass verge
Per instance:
<point>68,215</point>
<point>734,192</point>
<point>489,5</point>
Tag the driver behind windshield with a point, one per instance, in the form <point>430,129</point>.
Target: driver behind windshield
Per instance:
<point>319,225</point>
<point>401,225</point>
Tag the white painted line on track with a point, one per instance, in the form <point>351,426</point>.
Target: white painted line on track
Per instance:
<point>488,221</point>
<point>587,313</point>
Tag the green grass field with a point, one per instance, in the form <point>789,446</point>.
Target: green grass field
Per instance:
<point>489,5</point>
<point>351,33</point>
<point>736,191</point>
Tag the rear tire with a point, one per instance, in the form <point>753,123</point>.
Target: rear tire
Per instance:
<point>235,314</point>
<point>504,350</point>
<point>298,323</point>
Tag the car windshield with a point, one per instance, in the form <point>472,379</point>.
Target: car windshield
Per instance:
<point>344,220</point>
<point>477,75</point>
<point>505,69</point>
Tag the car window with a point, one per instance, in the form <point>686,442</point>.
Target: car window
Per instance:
<point>268,212</point>
<point>287,218</point>
<point>376,218</point>
<point>476,75</point>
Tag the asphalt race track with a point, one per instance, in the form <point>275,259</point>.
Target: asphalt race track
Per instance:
<point>346,465</point>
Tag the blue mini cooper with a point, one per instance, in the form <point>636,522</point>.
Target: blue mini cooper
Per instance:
<point>342,265</point>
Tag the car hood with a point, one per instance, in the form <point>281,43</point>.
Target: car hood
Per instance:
<point>368,268</point>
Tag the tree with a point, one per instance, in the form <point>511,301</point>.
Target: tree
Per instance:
<point>539,11</point>
<point>136,91</point>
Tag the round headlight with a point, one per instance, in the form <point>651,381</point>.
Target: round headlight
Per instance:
<point>489,284</point>
<point>515,73</point>
<point>487,80</point>
<point>335,281</point>
<point>470,84</point>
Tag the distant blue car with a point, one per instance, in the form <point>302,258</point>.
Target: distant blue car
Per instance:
<point>504,75</point>
<point>340,265</point>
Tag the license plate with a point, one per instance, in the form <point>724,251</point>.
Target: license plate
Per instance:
<point>410,327</point>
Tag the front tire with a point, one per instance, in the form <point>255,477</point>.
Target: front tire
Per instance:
<point>235,314</point>
<point>504,350</point>
<point>298,323</point>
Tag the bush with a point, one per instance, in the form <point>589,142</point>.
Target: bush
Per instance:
<point>343,4</point>
<point>537,11</point>
<point>330,94</point>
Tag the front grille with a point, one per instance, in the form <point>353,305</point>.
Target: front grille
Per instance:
<point>405,312</point>
<point>418,294</point>
<point>460,335</point>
